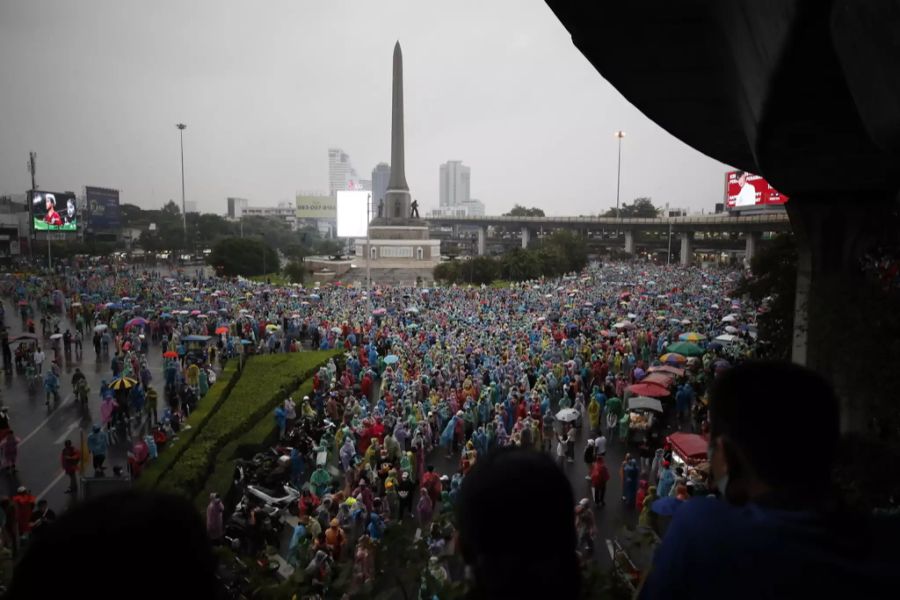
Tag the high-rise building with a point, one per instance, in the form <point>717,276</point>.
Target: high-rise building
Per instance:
<point>236,207</point>
<point>454,184</point>
<point>341,174</point>
<point>381,174</point>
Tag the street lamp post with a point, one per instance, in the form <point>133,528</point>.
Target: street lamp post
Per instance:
<point>181,127</point>
<point>368,241</point>
<point>619,134</point>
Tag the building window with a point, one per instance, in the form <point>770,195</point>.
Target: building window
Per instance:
<point>419,253</point>
<point>373,252</point>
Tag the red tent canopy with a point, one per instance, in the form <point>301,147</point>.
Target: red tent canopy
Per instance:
<point>657,378</point>
<point>689,446</point>
<point>653,390</point>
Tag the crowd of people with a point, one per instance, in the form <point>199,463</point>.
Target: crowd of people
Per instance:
<point>432,383</point>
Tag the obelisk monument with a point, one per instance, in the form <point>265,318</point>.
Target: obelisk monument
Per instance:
<point>397,199</point>
<point>398,238</point>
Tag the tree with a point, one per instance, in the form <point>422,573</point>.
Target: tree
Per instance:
<point>640,208</point>
<point>520,211</point>
<point>571,249</point>
<point>774,283</point>
<point>243,256</point>
<point>171,209</point>
<point>296,271</point>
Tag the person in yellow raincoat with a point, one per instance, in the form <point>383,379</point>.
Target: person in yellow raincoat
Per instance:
<point>594,411</point>
<point>192,375</point>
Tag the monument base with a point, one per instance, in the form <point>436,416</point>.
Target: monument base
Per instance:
<point>397,246</point>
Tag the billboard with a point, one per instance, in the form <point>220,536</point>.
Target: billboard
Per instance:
<point>745,190</point>
<point>315,207</point>
<point>353,213</point>
<point>102,208</point>
<point>54,211</point>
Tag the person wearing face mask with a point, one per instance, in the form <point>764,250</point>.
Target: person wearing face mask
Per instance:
<point>778,531</point>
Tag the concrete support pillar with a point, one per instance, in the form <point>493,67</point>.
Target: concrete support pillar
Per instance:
<point>526,237</point>
<point>482,235</point>
<point>752,239</point>
<point>629,241</point>
<point>687,249</point>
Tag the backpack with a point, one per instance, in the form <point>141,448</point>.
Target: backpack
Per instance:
<point>589,453</point>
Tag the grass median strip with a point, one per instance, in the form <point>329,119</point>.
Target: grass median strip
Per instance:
<point>265,381</point>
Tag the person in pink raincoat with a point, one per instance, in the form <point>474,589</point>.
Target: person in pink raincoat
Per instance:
<point>214,512</point>
<point>10,449</point>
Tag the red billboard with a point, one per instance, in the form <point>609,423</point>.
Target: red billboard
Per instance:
<point>746,191</point>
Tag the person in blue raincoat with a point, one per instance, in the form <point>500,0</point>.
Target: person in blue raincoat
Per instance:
<point>666,480</point>
<point>280,420</point>
<point>630,475</point>
<point>449,436</point>
<point>298,467</point>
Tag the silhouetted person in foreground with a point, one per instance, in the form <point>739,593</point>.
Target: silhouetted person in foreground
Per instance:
<point>516,517</point>
<point>779,531</point>
<point>106,546</point>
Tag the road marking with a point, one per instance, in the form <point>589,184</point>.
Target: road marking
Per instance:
<point>52,485</point>
<point>40,426</point>
<point>66,433</point>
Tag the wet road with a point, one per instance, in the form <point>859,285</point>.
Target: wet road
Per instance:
<point>42,432</point>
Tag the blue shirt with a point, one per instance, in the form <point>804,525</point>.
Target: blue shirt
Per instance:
<point>715,550</point>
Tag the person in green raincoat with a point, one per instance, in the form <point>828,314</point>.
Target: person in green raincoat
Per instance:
<point>203,383</point>
<point>406,466</point>
<point>320,481</point>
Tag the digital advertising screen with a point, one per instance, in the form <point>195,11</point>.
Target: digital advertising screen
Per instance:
<point>352,213</point>
<point>745,190</point>
<point>54,211</point>
<point>102,208</point>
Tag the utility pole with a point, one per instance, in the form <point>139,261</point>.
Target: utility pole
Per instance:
<point>619,134</point>
<point>32,168</point>
<point>181,127</point>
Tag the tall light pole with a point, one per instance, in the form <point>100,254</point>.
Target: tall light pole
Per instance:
<point>619,134</point>
<point>181,127</point>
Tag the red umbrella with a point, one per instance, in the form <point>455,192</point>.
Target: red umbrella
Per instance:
<point>221,330</point>
<point>689,446</point>
<point>170,354</point>
<point>661,379</point>
<point>648,389</point>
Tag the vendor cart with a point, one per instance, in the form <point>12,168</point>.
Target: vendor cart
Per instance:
<point>688,448</point>
<point>645,421</point>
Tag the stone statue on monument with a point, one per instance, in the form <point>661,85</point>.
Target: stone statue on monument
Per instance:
<point>414,210</point>
<point>380,207</point>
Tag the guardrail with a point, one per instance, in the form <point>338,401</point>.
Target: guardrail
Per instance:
<point>772,218</point>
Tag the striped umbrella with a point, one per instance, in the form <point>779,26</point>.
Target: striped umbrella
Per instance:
<point>123,383</point>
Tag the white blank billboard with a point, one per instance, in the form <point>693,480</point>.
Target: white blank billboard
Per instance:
<point>352,213</point>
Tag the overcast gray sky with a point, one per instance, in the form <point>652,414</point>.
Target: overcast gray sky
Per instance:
<point>95,87</point>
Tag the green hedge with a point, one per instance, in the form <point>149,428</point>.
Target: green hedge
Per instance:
<point>206,408</point>
<point>265,382</point>
<point>262,435</point>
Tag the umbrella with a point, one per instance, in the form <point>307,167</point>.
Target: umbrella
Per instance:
<point>246,342</point>
<point>221,330</point>
<point>100,327</point>
<point>685,349</point>
<point>729,318</point>
<point>195,312</point>
<point>122,383</point>
<point>412,310</point>
<point>691,336</point>
<point>673,358</point>
<point>271,327</point>
<point>624,325</point>
<point>136,322</point>
<point>166,315</point>
<point>56,336</point>
<point>721,364</point>
<point>379,312</point>
<point>567,415</point>
<point>639,373</point>
<point>726,338</point>
<point>667,369</point>
<point>23,336</point>
<point>731,329</point>
<point>391,359</point>
<point>652,390</point>
<point>335,329</point>
<point>666,507</point>
<point>315,296</point>
<point>170,354</point>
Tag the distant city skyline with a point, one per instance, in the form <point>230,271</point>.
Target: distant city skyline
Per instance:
<point>265,93</point>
